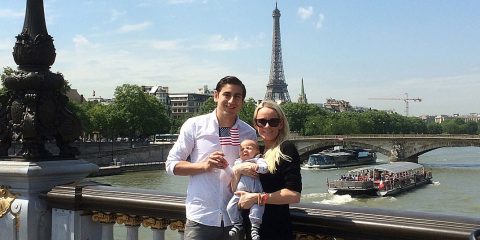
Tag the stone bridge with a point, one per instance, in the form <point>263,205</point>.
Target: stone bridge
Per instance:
<point>395,146</point>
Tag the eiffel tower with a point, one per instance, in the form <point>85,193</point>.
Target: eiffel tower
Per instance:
<point>277,87</point>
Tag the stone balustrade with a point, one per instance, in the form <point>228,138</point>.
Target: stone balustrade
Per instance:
<point>93,209</point>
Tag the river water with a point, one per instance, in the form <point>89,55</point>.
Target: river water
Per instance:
<point>455,191</point>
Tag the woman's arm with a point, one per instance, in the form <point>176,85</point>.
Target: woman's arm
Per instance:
<point>283,196</point>
<point>245,168</point>
<point>290,172</point>
<point>280,197</point>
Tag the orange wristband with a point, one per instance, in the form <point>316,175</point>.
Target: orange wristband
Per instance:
<point>264,198</point>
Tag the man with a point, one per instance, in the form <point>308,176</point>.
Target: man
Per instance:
<point>206,145</point>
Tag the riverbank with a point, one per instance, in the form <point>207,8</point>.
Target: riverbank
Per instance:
<point>129,167</point>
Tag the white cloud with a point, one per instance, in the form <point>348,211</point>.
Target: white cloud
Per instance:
<point>8,13</point>
<point>6,44</point>
<point>109,67</point>
<point>180,1</point>
<point>213,43</point>
<point>6,49</point>
<point>134,27</point>
<point>167,44</point>
<point>319,22</point>
<point>219,43</point>
<point>80,41</point>
<point>115,14</point>
<point>305,13</point>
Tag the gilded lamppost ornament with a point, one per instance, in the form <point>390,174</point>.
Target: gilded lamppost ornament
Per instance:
<point>6,199</point>
<point>156,223</point>
<point>177,225</point>
<point>104,217</point>
<point>35,108</point>
<point>129,220</point>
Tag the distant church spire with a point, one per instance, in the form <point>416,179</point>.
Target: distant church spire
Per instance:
<point>302,98</point>
<point>277,87</point>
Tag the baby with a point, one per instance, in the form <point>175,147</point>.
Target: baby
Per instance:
<point>249,152</point>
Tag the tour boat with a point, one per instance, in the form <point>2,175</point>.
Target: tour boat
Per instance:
<point>381,180</point>
<point>339,157</point>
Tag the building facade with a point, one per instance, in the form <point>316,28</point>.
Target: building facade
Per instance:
<point>159,92</point>
<point>472,117</point>
<point>186,103</point>
<point>337,105</point>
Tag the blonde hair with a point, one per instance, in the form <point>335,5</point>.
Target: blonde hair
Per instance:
<point>273,155</point>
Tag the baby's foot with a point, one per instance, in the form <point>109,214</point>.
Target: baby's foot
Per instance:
<point>255,233</point>
<point>235,230</point>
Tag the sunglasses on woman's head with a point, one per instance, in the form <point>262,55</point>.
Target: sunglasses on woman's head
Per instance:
<point>272,122</point>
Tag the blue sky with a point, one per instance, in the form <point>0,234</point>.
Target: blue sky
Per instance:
<point>351,50</point>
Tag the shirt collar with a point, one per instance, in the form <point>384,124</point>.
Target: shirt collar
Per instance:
<point>215,120</point>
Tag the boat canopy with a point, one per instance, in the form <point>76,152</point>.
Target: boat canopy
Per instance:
<point>394,167</point>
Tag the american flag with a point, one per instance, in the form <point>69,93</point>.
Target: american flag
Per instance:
<point>229,136</point>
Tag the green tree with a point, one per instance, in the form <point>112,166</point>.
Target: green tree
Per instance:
<point>342,123</point>
<point>7,71</point>
<point>417,125</point>
<point>137,114</point>
<point>434,128</point>
<point>298,113</point>
<point>80,111</point>
<point>470,128</point>
<point>365,122</point>
<point>248,109</point>
<point>101,120</point>
<point>207,107</point>
<point>315,125</point>
<point>66,85</point>
<point>177,122</point>
<point>453,126</point>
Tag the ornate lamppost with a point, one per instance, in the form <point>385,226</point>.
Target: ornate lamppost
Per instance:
<point>34,110</point>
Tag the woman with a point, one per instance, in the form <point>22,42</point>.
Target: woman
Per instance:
<point>283,183</point>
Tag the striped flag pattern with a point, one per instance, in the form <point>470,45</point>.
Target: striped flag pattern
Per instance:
<point>229,136</point>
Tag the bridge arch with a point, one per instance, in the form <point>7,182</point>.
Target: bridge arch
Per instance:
<point>395,147</point>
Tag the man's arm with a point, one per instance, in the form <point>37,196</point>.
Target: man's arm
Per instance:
<point>214,160</point>
<point>186,168</point>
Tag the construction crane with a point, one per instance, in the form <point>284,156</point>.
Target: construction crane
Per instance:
<point>405,99</point>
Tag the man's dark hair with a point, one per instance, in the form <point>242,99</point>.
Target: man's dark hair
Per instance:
<point>233,81</point>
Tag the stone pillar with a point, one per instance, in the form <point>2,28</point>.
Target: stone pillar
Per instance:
<point>26,214</point>
<point>73,225</point>
<point>158,227</point>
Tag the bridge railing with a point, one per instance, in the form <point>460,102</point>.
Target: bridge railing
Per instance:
<point>475,235</point>
<point>428,136</point>
<point>96,208</point>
